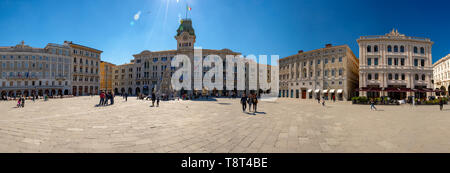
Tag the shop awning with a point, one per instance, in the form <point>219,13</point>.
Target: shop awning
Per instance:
<point>332,90</point>
<point>339,91</point>
<point>325,91</point>
<point>317,91</point>
<point>309,90</point>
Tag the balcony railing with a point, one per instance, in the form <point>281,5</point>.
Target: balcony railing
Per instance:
<point>393,37</point>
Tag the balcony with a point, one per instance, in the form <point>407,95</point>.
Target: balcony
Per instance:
<point>21,77</point>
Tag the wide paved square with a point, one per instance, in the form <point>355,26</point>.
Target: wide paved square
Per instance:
<point>284,125</point>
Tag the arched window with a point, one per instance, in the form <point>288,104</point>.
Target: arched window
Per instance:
<point>375,48</point>
<point>416,77</point>
<point>415,49</point>
<point>423,77</point>
<point>396,76</point>
<point>402,48</point>
<point>395,48</point>
<point>422,50</point>
<point>369,49</point>
<point>390,76</point>
<point>389,48</point>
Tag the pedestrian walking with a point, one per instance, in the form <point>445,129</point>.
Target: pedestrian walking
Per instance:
<point>126,97</point>
<point>318,100</point>
<point>244,102</point>
<point>323,102</point>
<point>372,105</point>
<point>441,103</point>
<point>334,98</point>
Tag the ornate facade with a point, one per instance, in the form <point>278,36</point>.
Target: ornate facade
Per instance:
<point>151,70</point>
<point>395,65</point>
<point>28,71</point>
<point>441,72</point>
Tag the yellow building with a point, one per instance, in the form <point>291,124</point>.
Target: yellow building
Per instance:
<point>106,76</point>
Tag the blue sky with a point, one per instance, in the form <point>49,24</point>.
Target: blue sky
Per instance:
<point>248,26</point>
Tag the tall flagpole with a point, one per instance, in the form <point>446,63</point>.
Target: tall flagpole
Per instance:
<point>186,9</point>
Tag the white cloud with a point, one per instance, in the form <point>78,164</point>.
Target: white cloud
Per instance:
<point>137,15</point>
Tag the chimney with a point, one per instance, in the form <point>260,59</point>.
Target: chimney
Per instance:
<point>300,51</point>
<point>328,45</point>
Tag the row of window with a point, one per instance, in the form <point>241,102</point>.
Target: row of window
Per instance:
<point>32,74</point>
<point>60,52</point>
<point>86,79</point>
<point>41,58</point>
<point>33,65</point>
<point>396,49</point>
<point>325,61</point>
<point>86,70</point>
<point>86,53</point>
<point>396,62</point>
<point>391,76</point>
<point>34,83</point>
<point>86,61</point>
<point>326,73</point>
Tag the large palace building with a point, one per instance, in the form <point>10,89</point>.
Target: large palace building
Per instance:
<point>28,71</point>
<point>151,71</point>
<point>441,72</point>
<point>322,73</point>
<point>395,65</point>
<point>86,73</point>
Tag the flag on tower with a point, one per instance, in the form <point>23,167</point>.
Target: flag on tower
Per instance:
<point>189,8</point>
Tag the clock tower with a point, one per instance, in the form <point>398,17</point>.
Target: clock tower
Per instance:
<point>185,35</point>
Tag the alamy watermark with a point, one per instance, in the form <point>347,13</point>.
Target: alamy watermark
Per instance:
<point>248,73</point>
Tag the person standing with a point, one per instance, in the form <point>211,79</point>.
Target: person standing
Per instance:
<point>323,101</point>
<point>441,103</point>
<point>102,97</point>
<point>153,99</point>
<point>372,105</point>
<point>250,102</point>
<point>334,98</point>
<point>255,102</point>
<point>112,98</point>
<point>157,101</point>
<point>23,102</point>
<point>18,103</point>
<point>126,97</point>
<point>244,102</point>
<point>105,102</point>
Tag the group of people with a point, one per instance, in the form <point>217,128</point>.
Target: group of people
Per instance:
<point>251,100</point>
<point>105,98</point>
<point>21,102</point>
<point>154,98</point>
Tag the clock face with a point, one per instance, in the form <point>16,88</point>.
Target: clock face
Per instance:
<point>185,38</point>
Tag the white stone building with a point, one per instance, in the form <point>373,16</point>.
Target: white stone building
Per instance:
<point>28,71</point>
<point>441,72</point>
<point>395,65</point>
